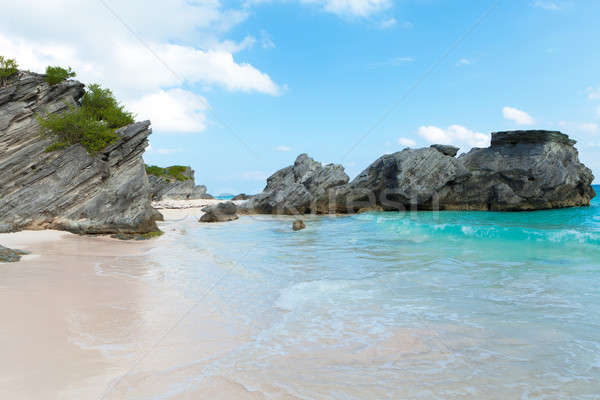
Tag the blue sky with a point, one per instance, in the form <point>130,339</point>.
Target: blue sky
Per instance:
<point>237,89</point>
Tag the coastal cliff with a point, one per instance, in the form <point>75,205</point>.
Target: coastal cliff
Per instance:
<point>178,185</point>
<point>520,171</point>
<point>67,189</point>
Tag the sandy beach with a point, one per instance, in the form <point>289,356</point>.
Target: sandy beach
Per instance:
<point>82,319</point>
<point>178,209</point>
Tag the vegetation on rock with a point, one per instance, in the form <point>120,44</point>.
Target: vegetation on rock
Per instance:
<point>93,125</point>
<point>8,67</point>
<point>55,75</point>
<point>176,172</point>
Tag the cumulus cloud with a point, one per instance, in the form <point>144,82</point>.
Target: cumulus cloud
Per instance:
<point>517,116</point>
<point>140,49</point>
<point>174,110</point>
<point>593,93</point>
<point>455,135</point>
<point>406,142</point>
<point>283,148</point>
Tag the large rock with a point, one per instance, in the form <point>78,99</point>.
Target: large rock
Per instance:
<point>523,170</point>
<point>408,179</point>
<point>67,189</point>
<point>222,212</point>
<point>298,189</point>
<point>166,188</point>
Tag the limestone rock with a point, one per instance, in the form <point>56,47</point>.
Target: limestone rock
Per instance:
<point>67,189</point>
<point>298,189</point>
<point>10,255</point>
<point>242,196</point>
<point>298,225</point>
<point>222,212</point>
<point>445,149</point>
<point>165,188</point>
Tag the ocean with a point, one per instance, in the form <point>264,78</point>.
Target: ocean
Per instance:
<point>447,305</point>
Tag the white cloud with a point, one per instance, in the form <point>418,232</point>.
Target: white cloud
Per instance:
<point>547,5</point>
<point>406,142</point>
<point>173,110</point>
<point>358,8</point>
<point>175,42</point>
<point>393,62</point>
<point>463,62</point>
<point>387,23</point>
<point>593,93</point>
<point>455,135</point>
<point>283,148</point>
<point>518,116</point>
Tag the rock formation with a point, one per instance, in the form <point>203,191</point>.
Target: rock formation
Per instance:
<point>242,196</point>
<point>168,188</point>
<point>521,170</point>
<point>298,225</point>
<point>67,189</point>
<point>222,212</point>
<point>10,255</point>
<point>298,189</point>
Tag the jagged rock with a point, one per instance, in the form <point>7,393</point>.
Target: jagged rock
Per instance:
<point>298,225</point>
<point>298,189</point>
<point>67,189</point>
<point>166,188</point>
<point>446,149</point>
<point>10,255</point>
<point>242,196</point>
<point>222,212</point>
<point>523,170</point>
<point>404,180</point>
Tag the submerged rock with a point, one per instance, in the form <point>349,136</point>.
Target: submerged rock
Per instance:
<point>222,212</point>
<point>67,189</point>
<point>169,188</point>
<point>10,255</point>
<point>298,225</point>
<point>298,189</point>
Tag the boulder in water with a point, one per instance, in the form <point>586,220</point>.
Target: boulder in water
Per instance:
<point>222,212</point>
<point>298,225</point>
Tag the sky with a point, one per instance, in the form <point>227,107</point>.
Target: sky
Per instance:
<point>237,89</point>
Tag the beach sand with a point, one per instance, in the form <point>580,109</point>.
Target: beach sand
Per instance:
<point>179,209</point>
<point>83,317</point>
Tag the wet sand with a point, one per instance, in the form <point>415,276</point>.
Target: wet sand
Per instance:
<point>84,320</point>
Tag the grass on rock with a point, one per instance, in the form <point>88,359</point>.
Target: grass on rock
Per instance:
<point>174,172</point>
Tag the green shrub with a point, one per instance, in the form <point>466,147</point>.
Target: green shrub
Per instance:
<point>74,126</point>
<point>93,125</point>
<point>8,67</point>
<point>101,105</point>
<point>173,172</point>
<point>56,75</point>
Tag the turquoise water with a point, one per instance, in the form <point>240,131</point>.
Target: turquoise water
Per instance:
<point>398,305</point>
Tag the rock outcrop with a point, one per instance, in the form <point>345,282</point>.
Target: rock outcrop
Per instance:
<point>520,171</point>
<point>242,196</point>
<point>10,255</point>
<point>67,189</point>
<point>167,188</point>
<point>222,212</point>
<point>298,189</point>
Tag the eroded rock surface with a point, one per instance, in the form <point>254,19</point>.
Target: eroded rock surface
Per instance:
<point>298,189</point>
<point>67,189</point>
<point>222,212</point>
<point>166,188</point>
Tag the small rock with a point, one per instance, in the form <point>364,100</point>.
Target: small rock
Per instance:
<point>222,212</point>
<point>10,255</point>
<point>298,225</point>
